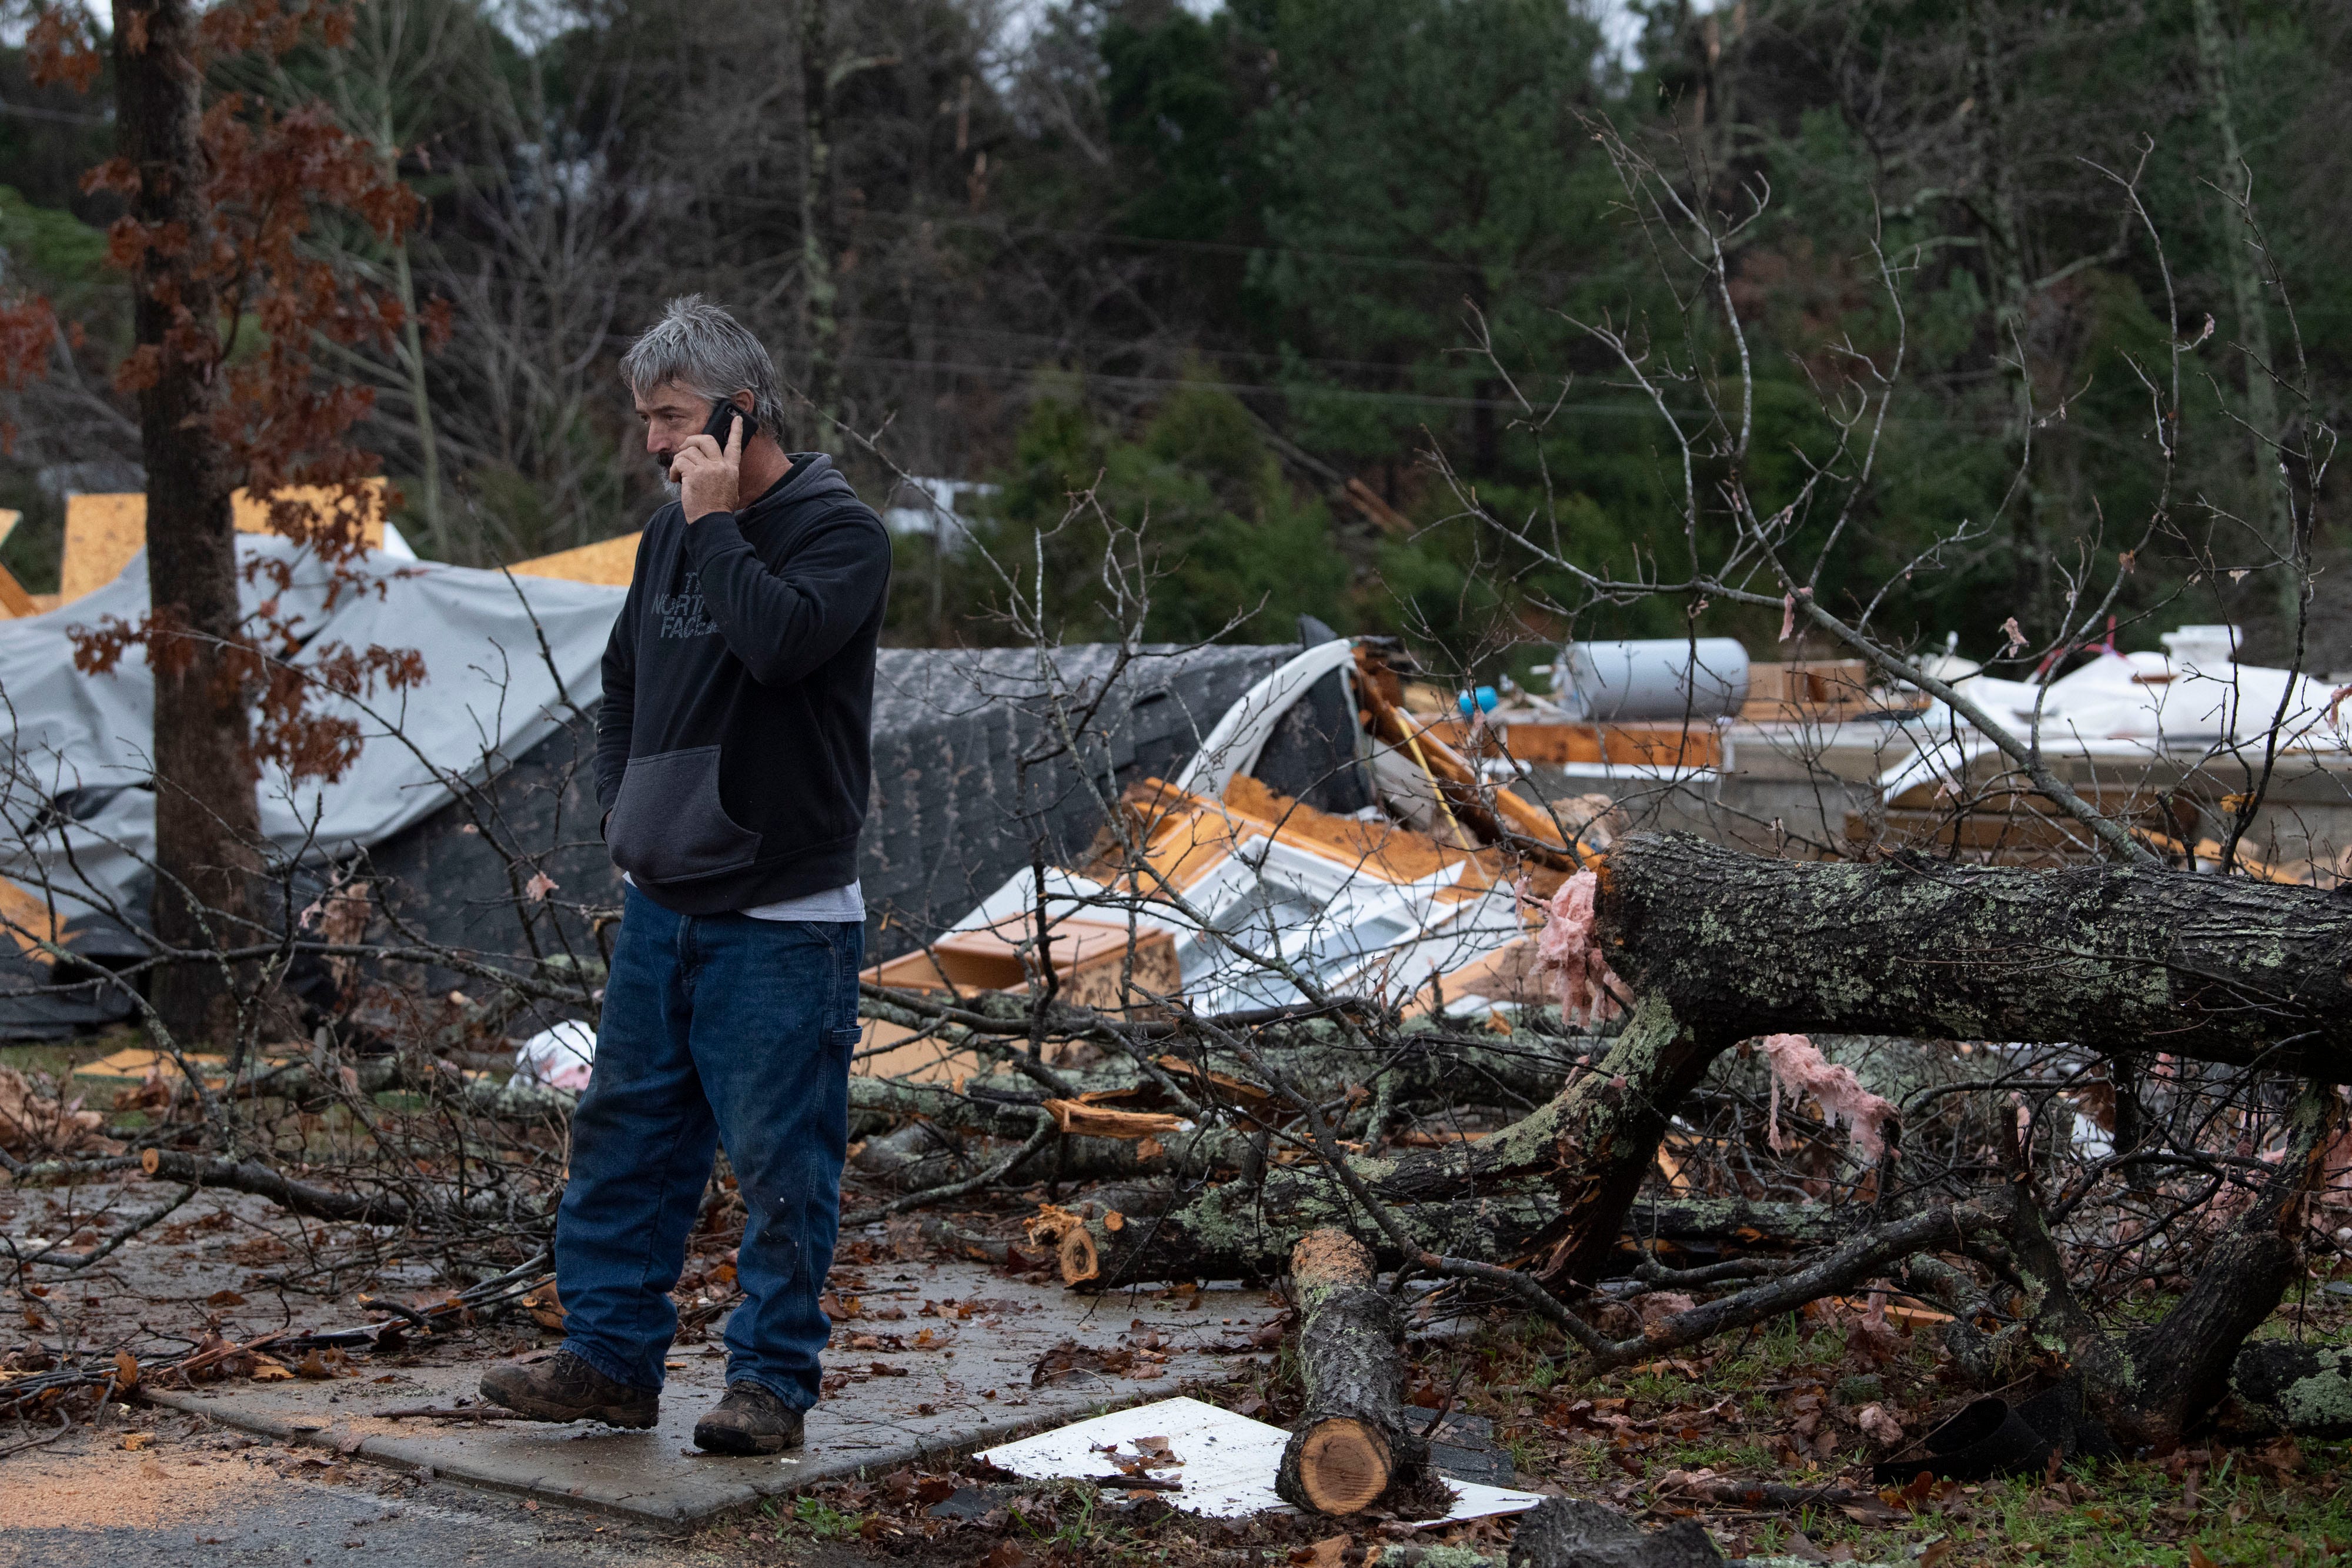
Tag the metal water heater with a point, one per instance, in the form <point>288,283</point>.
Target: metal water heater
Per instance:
<point>1654,679</point>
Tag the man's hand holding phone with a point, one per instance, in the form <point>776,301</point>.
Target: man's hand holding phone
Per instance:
<point>709,472</point>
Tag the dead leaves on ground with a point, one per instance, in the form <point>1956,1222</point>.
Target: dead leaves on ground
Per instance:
<point>1142,1358</point>
<point>38,1122</point>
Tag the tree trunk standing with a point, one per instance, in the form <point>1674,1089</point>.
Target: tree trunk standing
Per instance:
<point>207,818</point>
<point>2246,289</point>
<point>420,397</point>
<point>1995,208</point>
<point>2214,968</point>
<point>819,292</point>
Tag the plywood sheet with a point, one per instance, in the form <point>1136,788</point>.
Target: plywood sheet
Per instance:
<point>611,562</point>
<point>104,532</point>
<point>252,514</point>
<point>134,1065</point>
<point>26,916</point>
<point>13,597</point>
<point>886,1050</point>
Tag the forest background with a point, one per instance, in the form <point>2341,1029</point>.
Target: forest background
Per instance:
<point>1227,264</point>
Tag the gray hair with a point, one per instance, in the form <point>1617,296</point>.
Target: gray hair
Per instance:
<point>709,352</point>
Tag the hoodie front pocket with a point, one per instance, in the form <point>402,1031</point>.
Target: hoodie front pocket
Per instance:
<point>669,824</point>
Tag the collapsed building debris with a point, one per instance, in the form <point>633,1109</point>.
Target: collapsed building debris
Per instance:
<point>1262,905</point>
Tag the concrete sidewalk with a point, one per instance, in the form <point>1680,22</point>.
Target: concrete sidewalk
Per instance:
<point>912,1387</point>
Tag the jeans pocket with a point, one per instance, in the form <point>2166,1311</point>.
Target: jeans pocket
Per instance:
<point>669,823</point>
<point>849,953</point>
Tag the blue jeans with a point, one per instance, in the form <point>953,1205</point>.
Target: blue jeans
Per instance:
<point>718,1027</point>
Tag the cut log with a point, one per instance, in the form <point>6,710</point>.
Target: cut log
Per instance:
<point>2112,958</point>
<point>1353,1444</point>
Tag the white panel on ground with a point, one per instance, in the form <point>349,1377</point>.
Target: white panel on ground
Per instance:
<point>1227,1466</point>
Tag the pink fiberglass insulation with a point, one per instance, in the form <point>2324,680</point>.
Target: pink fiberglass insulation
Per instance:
<point>1566,955</point>
<point>1798,1070</point>
<point>2336,1171</point>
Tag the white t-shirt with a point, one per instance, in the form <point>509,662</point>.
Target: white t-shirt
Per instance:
<point>833,904</point>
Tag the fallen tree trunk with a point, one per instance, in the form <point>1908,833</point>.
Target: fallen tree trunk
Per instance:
<point>1423,1067</point>
<point>1742,1225</point>
<point>1558,1182</point>
<point>1352,1445</point>
<point>2112,958</point>
<point>499,1205</point>
<point>1120,1237</point>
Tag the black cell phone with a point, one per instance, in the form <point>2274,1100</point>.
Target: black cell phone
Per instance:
<point>721,415</point>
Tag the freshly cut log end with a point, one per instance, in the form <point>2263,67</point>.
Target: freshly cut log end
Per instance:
<point>151,1160</point>
<point>1079,1260</point>
<point>1343,1466</point>
<point>1352,1445</point>
<point>1325,1258</point>
<point>1067,1231</point>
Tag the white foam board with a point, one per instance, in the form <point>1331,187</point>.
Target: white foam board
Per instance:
<point>1229,1460</point>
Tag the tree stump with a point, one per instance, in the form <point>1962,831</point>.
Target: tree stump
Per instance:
<point>1353,1445</point>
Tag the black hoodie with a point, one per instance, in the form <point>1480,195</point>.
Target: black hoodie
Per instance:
<point>733,747</point>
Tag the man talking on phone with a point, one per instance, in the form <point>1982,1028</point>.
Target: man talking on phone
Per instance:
<point>731,764</point>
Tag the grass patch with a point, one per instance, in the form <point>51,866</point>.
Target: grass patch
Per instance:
<point>1766,1408</point>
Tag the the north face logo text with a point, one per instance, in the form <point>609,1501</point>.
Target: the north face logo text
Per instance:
<point>681,612</point>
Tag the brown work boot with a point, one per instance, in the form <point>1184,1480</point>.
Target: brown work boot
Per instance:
<point>751,1419</point>
<point>565,1388</point>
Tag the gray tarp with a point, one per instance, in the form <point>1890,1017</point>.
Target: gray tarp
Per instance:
<point>969,785</point>
<point>79,793</point>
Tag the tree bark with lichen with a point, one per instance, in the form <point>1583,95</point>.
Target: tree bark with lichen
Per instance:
<point>2110,958</point>
<point>1553,1186</point>
<point>1351,1444</point>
